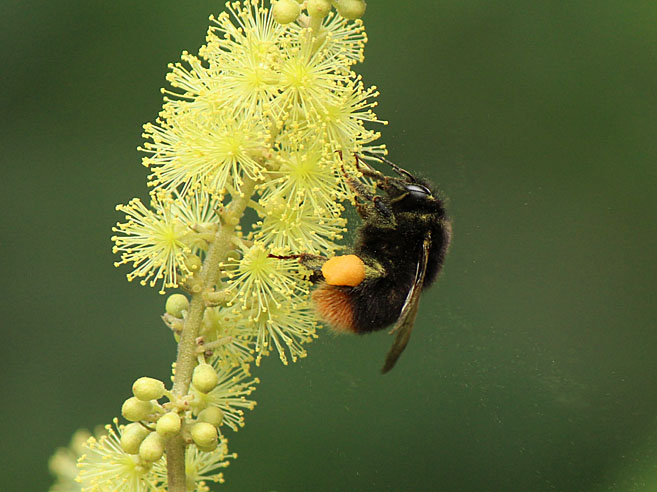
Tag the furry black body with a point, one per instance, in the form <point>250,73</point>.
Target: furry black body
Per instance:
<point>402,244</point>
<point>393,248</point>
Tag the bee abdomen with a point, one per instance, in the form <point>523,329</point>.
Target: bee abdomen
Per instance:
<point>335,306</point>
<point>378,306</point>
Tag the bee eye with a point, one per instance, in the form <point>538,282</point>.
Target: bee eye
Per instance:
<point>418,191</point>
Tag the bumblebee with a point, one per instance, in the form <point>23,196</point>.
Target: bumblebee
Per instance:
<point>399,251</point>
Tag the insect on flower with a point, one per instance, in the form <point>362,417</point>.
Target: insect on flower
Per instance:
<point>399,251</point>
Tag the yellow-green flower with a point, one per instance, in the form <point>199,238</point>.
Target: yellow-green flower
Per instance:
<point>191,149</point>
<point>199,211</point>
<point>161,242</point>
<point>344,119</point>
<point>251,24</point>
<point>193,85</point>
<point>307,173</point>
<point>155,242</point>
<point>286,327</point>
<point>63,464</point>
<point>258,281</point>
<point>299,228</point>
<point>200,467</point>
<point>309,78</point>
<point>247,54</point>
<point>340,37</point>
<point>229,395</point>
<point>229,325</point>
<point>105,466</point>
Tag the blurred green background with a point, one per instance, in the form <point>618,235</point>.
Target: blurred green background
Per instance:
<point>533,364</point>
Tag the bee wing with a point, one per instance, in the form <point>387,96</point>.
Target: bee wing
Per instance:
<point>404,325</point>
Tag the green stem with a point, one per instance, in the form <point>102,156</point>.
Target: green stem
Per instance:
<point>186,360</point>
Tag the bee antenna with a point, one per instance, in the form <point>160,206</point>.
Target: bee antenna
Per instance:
<point>395,167</point>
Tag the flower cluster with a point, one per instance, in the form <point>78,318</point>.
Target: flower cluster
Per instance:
<point>246,168</point>
<point>106,466</point>
<point>263,110</point>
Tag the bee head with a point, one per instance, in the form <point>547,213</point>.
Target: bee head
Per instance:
<point>408,195</point>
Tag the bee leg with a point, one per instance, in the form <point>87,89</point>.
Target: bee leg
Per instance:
<point>363,200</point>
<point>374,207</point>
<point>311,262</point>
<point>357,187</point>
<point>362,209</point>
<point>354,185</point>
<point>402,172</point>
<point>368,205</point>
<point>368,171</point>
<point>382,207</point>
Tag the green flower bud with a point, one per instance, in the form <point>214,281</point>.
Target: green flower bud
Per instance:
<point>147,389</point>
<point>286,11</point>
<point>204,378</point>
<point>208,449</point>
<point>134,409</point>
<point>168,424</point>
<point>233,255</point>
<point>132,437</point>
<point>176,304</point>
<point>204,435</point>
<point>351,9</point>
<point>152,448</point>
<point>318,8</point>
<point>211,415</point>
<point>193,263</point>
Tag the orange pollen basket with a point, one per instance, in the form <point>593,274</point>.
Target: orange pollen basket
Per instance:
<point>344,270</point>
